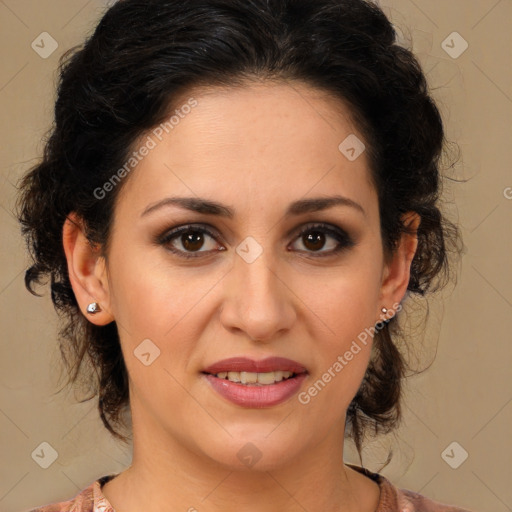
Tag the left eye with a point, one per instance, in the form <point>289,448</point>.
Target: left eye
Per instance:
<point>314,238</point>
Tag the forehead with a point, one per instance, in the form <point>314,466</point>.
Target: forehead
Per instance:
<point>259,140</point>
<point>279,115</point>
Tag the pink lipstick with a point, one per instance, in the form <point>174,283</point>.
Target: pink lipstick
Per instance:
<point>256,384</point>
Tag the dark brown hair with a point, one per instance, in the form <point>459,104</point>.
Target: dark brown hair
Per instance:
<point>121,82</point>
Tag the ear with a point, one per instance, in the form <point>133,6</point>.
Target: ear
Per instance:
<point>396,273</point>
<point>87,270</point>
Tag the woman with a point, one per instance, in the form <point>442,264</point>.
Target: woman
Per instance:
<point>233,204</point>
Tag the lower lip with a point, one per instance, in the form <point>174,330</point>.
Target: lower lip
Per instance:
<point>247,395</point>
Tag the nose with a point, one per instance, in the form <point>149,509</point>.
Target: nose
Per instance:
<point>258,301</point>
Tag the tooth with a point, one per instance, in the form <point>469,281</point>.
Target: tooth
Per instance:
<point>266,378</point>
<point>248,377</point>
<point>278,375</point>
<point>234,376</point>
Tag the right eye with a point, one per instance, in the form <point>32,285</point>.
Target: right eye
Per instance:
<point>191,238</point>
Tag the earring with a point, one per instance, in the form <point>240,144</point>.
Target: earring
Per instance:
<point>93,308</point>
<point>386,321</point>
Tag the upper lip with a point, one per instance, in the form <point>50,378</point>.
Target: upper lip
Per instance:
<point>244,364</point>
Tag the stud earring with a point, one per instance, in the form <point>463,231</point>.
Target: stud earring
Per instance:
<point>386,320</point>
<point>93,308</point>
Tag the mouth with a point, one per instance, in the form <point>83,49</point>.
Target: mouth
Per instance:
<point>257,384</point>
<point>256,379</point>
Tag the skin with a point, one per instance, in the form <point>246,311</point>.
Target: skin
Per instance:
<point>255,149</point>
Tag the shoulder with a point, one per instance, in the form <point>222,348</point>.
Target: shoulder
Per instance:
<point>409,501</point>
<point>393,499</point>
<point>89,499</point>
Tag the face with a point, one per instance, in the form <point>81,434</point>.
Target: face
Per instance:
<point>263,273</point>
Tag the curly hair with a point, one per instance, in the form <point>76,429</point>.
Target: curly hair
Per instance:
<point>125,79</point>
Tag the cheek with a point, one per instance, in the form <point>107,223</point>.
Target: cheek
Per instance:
<point>344,310</point>
<point>346,299</point>
<point>165,304</point>
<point>149,295</point>
<point>342,352</point>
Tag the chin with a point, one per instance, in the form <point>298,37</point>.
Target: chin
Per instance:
<point>253,452</point>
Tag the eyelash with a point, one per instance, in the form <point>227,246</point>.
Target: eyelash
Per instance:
<point>343,239</point>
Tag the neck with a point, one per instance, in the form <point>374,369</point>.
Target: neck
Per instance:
<point>179,478</point>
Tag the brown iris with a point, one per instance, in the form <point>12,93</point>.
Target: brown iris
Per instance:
<point>314,240</point>
<point>193,240</point>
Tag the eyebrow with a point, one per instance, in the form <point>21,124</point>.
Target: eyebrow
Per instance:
<point>205,206</point>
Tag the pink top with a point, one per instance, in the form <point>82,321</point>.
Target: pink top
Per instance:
<point>391,499</point>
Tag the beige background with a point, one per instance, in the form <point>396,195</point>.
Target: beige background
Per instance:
<point>465,396</point>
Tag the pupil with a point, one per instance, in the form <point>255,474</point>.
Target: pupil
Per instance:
<point>192,241</point>
<point>316,239</point>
